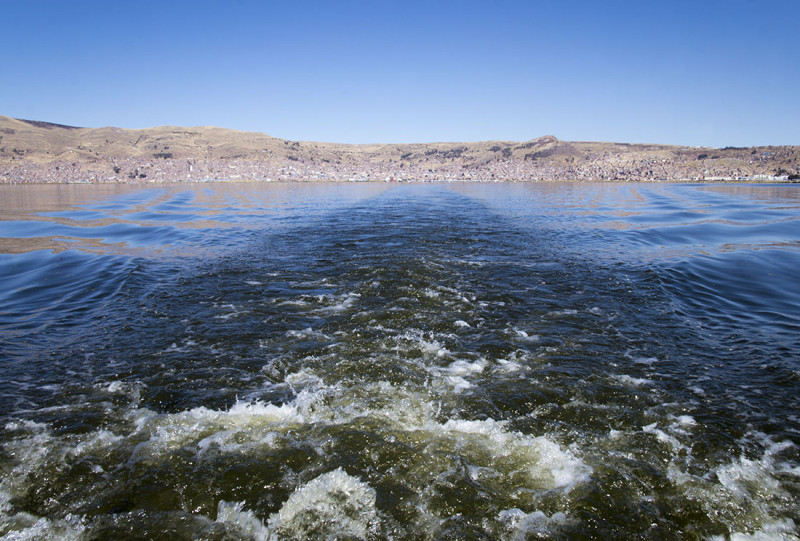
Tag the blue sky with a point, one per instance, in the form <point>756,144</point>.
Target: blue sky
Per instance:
<point>703,72</point>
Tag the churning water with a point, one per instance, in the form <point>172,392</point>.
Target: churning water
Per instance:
<point>465,361</point>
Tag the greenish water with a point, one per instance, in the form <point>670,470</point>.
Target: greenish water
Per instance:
<point>448,361</point>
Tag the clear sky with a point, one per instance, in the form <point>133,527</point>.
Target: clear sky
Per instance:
<point>700,72</point>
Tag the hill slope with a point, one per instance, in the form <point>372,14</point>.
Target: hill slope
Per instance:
<point>36,151</point>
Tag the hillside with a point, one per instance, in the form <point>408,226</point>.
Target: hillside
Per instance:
<point>36,151</point>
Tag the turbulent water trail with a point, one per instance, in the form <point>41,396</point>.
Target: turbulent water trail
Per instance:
<point>411,366</point>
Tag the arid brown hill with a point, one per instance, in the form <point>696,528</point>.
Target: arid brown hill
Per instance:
<point>35,151</point>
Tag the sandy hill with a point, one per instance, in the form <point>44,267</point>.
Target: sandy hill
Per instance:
<point>45,142</point>
<point>37,151</point>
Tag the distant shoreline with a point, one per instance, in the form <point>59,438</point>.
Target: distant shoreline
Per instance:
<point>35,152</point>
<point>405,181</point>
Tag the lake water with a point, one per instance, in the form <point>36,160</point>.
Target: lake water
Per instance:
<point>383,361</point>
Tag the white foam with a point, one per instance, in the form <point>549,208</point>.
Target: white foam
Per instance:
<point>522,525</point>
<point>496,456</point>
<point>565,312</point>
<point>741,490</point>
<point>635,382</point>
<point>30,451</point>
<point>523,335</point>
<point>458,383</point>
<point>740,475</point>
<point>507,366</point>
<point>466,368</point>
<point>462,323</point>
<point>433,348</point>
<point>234,311</point>
<point>246,523</point>
<point>342,302</point>
<point>399,408</point>
<point>98,442</point>
<point>334,505</point>
<point>486,442</point>
<point>308,332</point>
<point>544,462</point>
<point>429,347</point>
<point>303,378</point>
<point>26,425</point>
<point>245,423</point>
<point>663,436</point>
<point>251,425</point>
<point>115,387</point>
<point>294,302</point>
<point>29,527</point>
<point>781,530</point>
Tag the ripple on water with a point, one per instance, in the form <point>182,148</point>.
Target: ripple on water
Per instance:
<point>419,363</point>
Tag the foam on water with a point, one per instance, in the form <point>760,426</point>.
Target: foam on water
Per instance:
<point>629,380</point>
<point>337,303</point>
<point>504,365</point>
<point>498,457</point>
<point>334,505</point>
<point>525,336</point>
<point>782,530</point>
<point>544,462</point>
<point>30,453</point>
<point>445,379</point>
<point>27,527</point>
<point>243,522</point>
<point>407,416</point>
<point>465,368</point>
<point>244,424</point>
<point>520,526</point>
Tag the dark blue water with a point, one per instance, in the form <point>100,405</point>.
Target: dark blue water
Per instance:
<point>445,361</point>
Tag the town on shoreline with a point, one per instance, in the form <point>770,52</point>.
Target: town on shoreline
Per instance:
<point>191,170</point>
<point>41,152</point>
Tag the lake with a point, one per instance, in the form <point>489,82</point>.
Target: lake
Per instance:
<point>400,361</point>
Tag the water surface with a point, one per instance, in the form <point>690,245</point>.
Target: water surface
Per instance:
<point>446,361</point>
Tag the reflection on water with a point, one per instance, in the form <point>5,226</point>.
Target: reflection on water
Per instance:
<point>498,361</point>
<point>132,219</point>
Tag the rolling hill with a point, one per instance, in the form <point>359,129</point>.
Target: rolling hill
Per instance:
<point>37,151</point>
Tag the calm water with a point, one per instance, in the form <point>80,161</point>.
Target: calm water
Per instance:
<point>487,361</point>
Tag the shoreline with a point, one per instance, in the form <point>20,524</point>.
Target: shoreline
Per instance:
<point>41,153</point>
<point>405,181</point>
<point>134,171</point>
